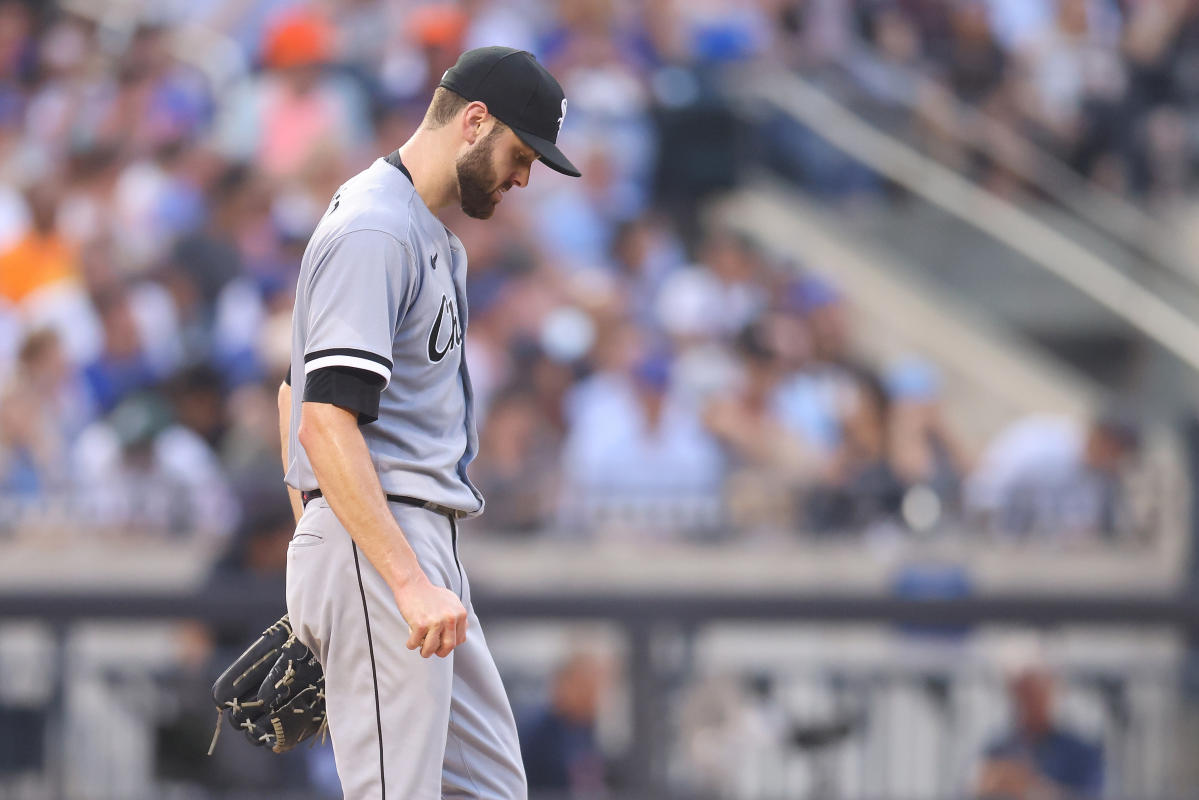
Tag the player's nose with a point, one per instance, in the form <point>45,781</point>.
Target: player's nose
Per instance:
<point>521,177</point>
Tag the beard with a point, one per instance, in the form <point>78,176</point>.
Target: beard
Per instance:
<point>477,179</point>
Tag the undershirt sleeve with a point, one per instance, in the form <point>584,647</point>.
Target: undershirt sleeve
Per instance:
<point>356,390</point>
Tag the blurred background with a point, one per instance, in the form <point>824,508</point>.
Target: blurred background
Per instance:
<point>838,426</point>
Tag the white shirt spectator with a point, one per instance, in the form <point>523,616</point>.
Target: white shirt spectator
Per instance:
<point>177,487</point>
<point>618,464</point>
<point>1034,479</point>
<point>695,303</point>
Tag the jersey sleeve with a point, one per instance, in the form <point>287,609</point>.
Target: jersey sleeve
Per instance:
<point>357,296</point>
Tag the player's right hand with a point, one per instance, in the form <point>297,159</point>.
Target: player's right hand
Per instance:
<point>436,618</point>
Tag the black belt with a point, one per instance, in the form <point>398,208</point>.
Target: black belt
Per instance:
<point>445,511</point>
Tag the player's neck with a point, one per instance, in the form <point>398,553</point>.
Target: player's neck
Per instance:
<point>430,162</point>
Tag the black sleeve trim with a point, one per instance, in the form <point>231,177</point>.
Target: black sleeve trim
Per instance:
<point>287,378</point>
<point>357,390</point>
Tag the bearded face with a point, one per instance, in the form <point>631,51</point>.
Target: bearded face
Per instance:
<point>477,180</point>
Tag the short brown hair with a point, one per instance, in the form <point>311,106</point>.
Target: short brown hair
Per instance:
<point>444,107</point>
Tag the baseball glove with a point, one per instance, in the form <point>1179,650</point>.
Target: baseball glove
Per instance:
<point>274,691</point>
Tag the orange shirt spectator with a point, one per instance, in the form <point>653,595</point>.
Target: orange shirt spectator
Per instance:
<point>41,257</point>
<point>38,259</point>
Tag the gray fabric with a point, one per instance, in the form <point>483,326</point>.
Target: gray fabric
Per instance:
<point>382,287</point>
<point>446,727</point>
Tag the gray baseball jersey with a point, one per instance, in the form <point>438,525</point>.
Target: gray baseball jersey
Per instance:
<point>381,305</point>
<point>382,289</point>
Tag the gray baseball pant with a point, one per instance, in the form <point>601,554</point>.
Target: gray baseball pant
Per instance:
<point>403,727</point>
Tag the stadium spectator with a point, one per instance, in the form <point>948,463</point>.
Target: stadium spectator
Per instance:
<point>1054,477</point>
<point>973,61</point>
<point>644,254</point>
<point>296,114</point>
<point>1038,757</point>
<point>144,473</point>
<point>1072,71</point>
<point>42,258</point>
<point>517,468</point>
<point>927,452</point>
<point>550,377</point>
<point>249,448</point>
<point>16,29</point>
<point>893,80</point>
<point>814,398</point>
<point>123,366</point>
<point>41,408</point>
<point>558,742</point>
<point>92,170</point>
<point>701,308</point>
<point>258,545</point>
<point>768,462</point>
<point>212,256</point>
<point>739,277</point>
<point>636,453</point>
<point>862,485</point>
<point>197,403</point>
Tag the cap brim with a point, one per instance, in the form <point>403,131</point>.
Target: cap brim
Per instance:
<point>549,154</point>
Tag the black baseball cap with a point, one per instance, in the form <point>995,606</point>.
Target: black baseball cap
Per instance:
<point>520,93</point>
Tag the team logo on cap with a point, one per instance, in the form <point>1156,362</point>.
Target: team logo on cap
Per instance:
<point>562,117</point>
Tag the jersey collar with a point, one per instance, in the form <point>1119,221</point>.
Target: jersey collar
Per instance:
<point>394,160</point>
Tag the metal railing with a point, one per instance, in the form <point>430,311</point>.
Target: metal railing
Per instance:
<point>1155,316</point>
<point>653,624</point>
<point>976,131</point>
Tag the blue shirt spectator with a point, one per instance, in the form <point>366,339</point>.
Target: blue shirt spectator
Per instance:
<point>558,742</point>
<point>1039,758</point>
<point>122,367</point>
<point>1060,756</point>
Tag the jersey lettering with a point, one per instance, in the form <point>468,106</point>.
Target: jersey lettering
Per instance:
<point>437,352</point>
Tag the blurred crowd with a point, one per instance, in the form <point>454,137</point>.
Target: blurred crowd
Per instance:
<point>1106,86</point>
<point>162,171</point>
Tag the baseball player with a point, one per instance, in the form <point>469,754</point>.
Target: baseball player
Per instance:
<point>377,431</point>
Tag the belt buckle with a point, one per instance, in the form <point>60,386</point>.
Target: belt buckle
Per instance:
<point>445,511</point>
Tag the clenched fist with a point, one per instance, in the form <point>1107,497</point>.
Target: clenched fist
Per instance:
<point>436,618</point>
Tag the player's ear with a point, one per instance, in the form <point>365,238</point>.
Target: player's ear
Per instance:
<point>473,117</point>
